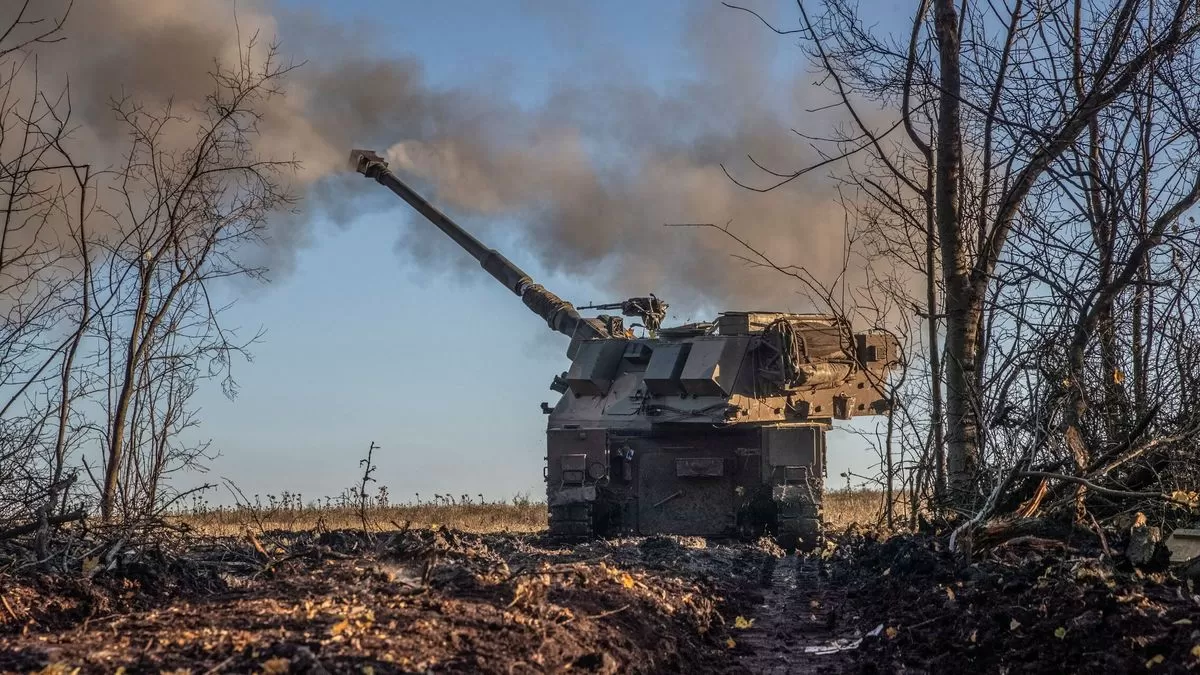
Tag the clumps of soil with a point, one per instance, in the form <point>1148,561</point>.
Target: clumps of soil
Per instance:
<point>1048,602</point>
<point>100,580</point>
<point>407,601</point>
<point>1034,597</point>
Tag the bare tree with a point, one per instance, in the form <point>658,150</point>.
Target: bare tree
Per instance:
<point>107,325</point>
<point>182,217</point>
<point>38,277</point>
<point>1005,137</point>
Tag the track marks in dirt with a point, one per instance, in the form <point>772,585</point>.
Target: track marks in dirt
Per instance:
<point>800,612</point>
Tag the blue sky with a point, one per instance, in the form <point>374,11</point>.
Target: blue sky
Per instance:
<point>444,370</point>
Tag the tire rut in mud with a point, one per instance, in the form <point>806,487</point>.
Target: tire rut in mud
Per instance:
<point>798,618</point>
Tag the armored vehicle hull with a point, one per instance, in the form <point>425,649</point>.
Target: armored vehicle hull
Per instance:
<point>744,481</point>
<point>705,430</point>
<point>714,429</point>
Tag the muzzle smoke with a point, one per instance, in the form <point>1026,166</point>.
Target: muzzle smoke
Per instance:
<point>589,177</point>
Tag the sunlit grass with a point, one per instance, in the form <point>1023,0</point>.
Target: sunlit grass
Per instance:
<point>287,512</point>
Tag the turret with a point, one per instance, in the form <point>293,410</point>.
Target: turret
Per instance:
<point>559,314</point>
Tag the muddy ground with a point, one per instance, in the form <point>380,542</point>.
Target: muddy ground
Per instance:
<point>442,601</point>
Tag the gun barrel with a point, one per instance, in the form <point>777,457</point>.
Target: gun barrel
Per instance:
<point>558,313</point>
<point>372,165</point>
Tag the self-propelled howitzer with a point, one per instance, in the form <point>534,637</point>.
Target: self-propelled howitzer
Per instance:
<point>713,429</point>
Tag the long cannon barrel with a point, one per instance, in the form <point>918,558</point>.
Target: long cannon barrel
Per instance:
<point>559,314</point>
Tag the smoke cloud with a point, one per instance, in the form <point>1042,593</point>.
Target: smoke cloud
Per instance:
<point>587,178</point>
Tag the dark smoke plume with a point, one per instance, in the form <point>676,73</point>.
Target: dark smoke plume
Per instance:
<point>589,177</point>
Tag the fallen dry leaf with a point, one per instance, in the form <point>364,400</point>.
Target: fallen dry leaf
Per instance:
<point>276,666</point>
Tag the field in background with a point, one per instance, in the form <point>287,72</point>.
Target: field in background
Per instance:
<point>288,513</point>
<point>845,507</point>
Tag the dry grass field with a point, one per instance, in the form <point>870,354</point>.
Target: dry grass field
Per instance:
<point>476,517</point>
<point>842,508</point>
<point>846,507</point>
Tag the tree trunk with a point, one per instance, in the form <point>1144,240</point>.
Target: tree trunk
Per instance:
<point>85,317</point>
<point>116,441</point>
<point>962,305</point>
<point>935,361</point>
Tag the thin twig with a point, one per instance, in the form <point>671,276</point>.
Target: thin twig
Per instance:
<point>1099,489</point>
<point>33,527</point>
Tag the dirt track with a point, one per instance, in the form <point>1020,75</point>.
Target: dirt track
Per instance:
<point>445,602</point>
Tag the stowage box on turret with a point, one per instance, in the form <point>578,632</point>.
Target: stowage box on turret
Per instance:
<point>713,429</point>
